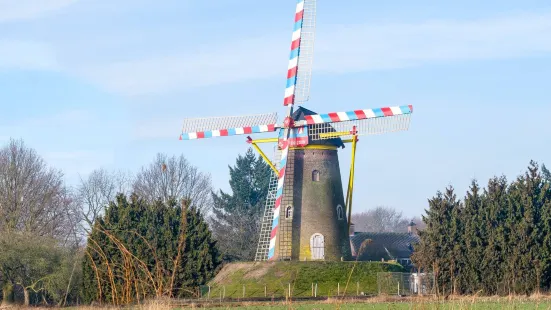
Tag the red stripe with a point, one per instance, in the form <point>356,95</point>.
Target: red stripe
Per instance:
<point>360,114</point>
<point>299,15</point>
<point>281,172</point>
<point>271,127</point>
<point>411,108</point>
<point>278,202</point>
<point>309,119</point>
<point>295,44</point>
<point>247,130</point>
<point>274,232</point>
<point>288,100</point>
<point>334,117</point>
<point>291,72</point>
<point>223,132</point>
<point>200,135</point>
<point>387,111</point>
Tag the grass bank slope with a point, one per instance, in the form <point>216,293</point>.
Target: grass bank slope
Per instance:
<point>272,278</point>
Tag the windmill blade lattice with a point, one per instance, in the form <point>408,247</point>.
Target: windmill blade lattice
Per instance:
<point>305,61</point>
<point>200,128</point>
<point>365,122</point>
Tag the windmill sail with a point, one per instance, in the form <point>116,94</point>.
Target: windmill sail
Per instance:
<point>365,122</point>
<point>200,128</point>
<point>306,57</point>
<point>302,52</point>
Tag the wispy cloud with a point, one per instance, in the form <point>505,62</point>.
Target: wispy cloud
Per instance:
<point>339,49</point>
<point>25,55</point>
<point>17,10</point>
<point>345,48</point>
<point>367,47</point>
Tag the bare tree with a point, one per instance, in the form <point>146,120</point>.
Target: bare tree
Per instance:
<point>380,219</point>
<point>33,197</point>
<point>96,191</point>
<point>173,177</point>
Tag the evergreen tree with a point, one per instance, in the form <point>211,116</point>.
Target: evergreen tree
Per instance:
<point>139,250</point>
<point>494,263</point>
<point>237,216</point>
<point>545,173</point>
<point>436,249</point>
<point>474,239</point>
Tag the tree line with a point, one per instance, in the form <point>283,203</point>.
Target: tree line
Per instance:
<point>496,240</point>
<point>118,237</point>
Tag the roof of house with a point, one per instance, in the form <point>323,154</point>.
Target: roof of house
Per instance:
<point>383,245</point>
<point>299,114</point>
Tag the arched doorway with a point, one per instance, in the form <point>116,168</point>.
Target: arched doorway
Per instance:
<point>317,246</point>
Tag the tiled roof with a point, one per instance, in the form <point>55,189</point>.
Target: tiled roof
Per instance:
<point>383,245</point>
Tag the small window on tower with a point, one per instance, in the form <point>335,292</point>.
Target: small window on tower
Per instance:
<point>340,214</point>
<point>289,212</point>
<point>315,176</point>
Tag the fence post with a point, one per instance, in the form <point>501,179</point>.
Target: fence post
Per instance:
<point>316,291</point>
<point>398,288</point>
<point>208,296</point>
<point>312,289</point>
<point>338,289</point>
<point>289,289</point>
<point>224,296</point>
<point>357,288</point>
<point>265,290</point>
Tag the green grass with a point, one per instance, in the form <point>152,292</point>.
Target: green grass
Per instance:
<point>276,276</point>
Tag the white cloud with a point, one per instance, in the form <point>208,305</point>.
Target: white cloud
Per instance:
<point>16,10</point>
<point>367,47</point>
<point>344,48</point>
<point>339,49</point>
<point>15,54</point>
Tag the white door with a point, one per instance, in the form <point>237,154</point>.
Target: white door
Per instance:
<point>317,246</point>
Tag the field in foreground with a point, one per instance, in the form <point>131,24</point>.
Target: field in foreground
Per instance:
<point>376,303</point>
<point>403,306</point>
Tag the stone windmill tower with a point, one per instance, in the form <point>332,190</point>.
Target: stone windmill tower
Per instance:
<point>307,215</point>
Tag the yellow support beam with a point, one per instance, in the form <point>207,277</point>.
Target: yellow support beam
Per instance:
<point>334,134</point>
<point>268,140</point>
<point>266,159</point>
<point>351,181</point>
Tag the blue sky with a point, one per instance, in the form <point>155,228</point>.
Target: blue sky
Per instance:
<point>96,83</point>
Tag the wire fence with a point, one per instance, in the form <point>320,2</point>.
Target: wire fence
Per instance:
<point>387,283</point>
<point>286,291</point>
<point>405,284</point>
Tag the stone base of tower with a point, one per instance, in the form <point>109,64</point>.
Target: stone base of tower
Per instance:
<point>312,223</point>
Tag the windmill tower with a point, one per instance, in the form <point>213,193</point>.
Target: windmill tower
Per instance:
<point>307,215</point>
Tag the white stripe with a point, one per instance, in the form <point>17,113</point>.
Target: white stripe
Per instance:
<point>293,63</point>
<point>272,243</point>
<point>343,116</point>
<point>289,91</point>
<point>317,119</point>
<point>216,133</point>
<point>192,135</point>
<point>296,34</point>
<point>263,128</point>
<point>369,113</point>
<point>239,131</point>
<point>396,110</point>
<point>300,6</point>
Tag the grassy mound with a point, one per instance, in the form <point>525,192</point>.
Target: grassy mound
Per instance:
<point>273,278</point>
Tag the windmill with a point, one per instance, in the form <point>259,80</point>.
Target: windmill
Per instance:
<point>306,215</point>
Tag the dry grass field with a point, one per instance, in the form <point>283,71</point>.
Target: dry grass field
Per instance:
<point>377,303</point>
